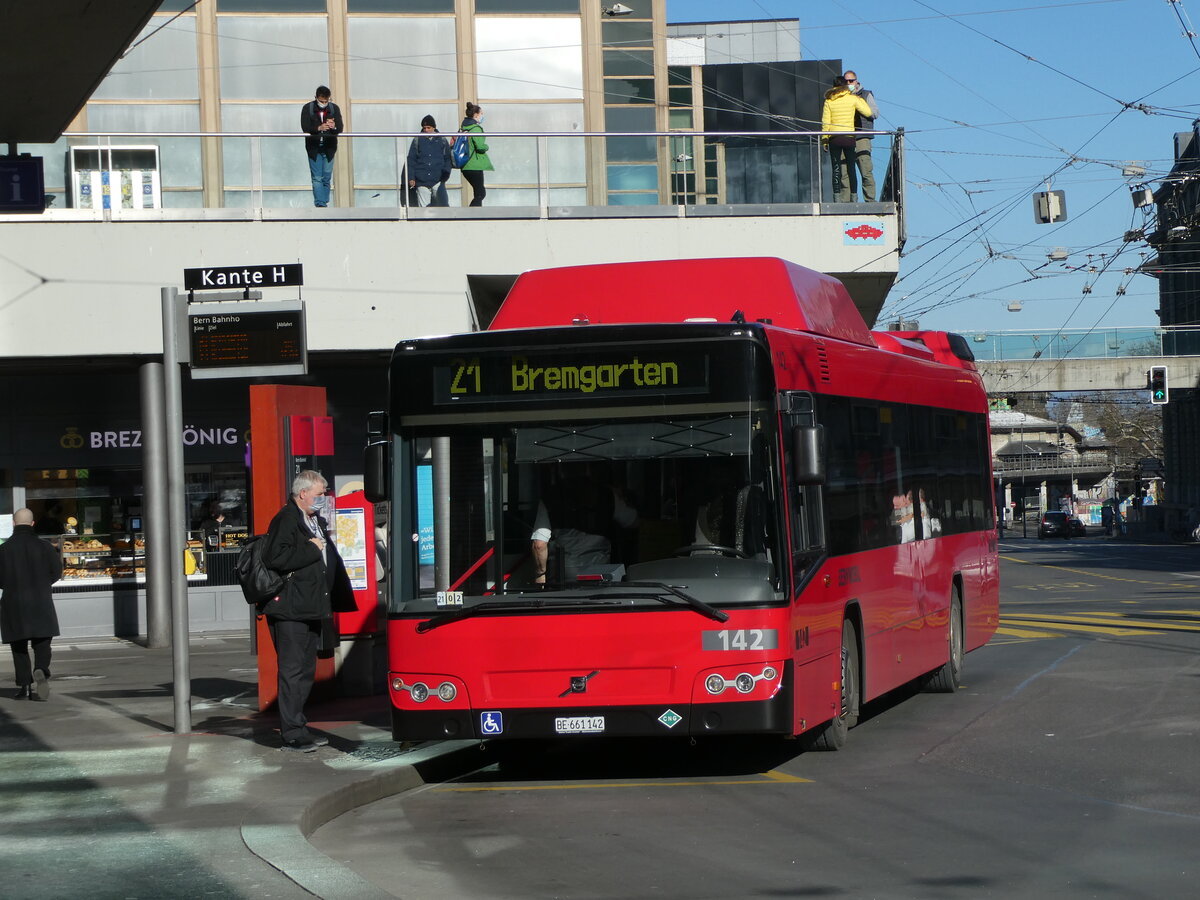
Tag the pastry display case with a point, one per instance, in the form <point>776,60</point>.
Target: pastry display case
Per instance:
<point>96,559</point>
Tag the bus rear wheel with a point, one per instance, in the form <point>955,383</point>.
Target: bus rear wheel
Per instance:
<point>947,678</point>
<point>832,735</point>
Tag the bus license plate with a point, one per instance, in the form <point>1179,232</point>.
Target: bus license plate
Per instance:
<point>579,724</point>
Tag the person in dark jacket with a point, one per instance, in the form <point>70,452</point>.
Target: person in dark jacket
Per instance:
<point>315,585</point>
<point>321,120</point>
<point>28,567</point>
<point>429,167</point>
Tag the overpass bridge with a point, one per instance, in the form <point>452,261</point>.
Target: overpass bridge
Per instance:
<point>1114,359</point>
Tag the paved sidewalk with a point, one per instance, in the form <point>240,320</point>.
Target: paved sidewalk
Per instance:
<point>99,798</point>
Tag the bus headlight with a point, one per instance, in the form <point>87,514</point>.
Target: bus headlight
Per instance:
<point>419,692</point>
<point>447,692</point>
<point>744,683</point>
<point>714,684</point>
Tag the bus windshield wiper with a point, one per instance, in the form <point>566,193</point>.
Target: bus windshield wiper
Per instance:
<point>468,612</point>
<point>673,590</point>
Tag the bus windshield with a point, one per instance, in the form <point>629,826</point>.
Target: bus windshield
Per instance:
<point>569,507</point>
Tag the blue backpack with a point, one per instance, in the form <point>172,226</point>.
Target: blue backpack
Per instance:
<point>460,152</point>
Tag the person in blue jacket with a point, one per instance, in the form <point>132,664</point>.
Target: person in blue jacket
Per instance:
<point>428,166</point>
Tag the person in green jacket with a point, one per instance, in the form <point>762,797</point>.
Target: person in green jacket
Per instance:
<point>478,162</point>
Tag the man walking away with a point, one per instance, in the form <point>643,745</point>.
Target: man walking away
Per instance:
<point>321,120</point>
<point>28,567</point>
<point>862,145</point>
<point>315,585</point>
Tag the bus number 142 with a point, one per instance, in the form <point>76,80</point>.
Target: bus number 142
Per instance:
<point>740,639</point>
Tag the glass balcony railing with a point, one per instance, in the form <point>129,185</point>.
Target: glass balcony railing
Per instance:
<point>270,171</point>
<point>1093,343</point>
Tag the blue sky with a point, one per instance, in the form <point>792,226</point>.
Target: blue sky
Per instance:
<point>987,126</point>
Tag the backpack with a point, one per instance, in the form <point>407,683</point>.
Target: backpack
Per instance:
<point>259,584</point>
<point>460,151</point>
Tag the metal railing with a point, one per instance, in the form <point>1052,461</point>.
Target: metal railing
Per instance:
<point>769,171</point>
<point>1087,460</point>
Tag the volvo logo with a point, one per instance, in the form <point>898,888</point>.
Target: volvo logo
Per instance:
<point>579,683</point>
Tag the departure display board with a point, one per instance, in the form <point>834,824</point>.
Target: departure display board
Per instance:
<point>231,340</point>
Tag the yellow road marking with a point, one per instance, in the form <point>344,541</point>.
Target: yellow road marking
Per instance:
<point>1023,633</point>
<point>1093,574</point>
<point>772,777</point>
<point>1097,629</point>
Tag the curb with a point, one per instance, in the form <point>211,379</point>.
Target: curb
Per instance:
<point>277,832</point>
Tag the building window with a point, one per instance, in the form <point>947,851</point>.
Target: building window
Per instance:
<point>529,59</point>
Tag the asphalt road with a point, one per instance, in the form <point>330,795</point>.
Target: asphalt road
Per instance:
<point>1068,766</point>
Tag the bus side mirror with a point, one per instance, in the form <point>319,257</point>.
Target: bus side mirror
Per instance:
<point>808,454</point>
<point>375,471</point>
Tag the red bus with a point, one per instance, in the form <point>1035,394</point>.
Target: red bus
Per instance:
<point>680,497</point>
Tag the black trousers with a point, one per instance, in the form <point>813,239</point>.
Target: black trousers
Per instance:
<point>41,659</point>
<point>475,180</point>
<point>296,651</point>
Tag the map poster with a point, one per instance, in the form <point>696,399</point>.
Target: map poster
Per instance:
<point>351,529</point>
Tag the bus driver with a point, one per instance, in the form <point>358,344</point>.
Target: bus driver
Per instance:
<point>579,519</point>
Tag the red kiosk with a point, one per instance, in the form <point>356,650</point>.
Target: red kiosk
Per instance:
<point>290,432</point>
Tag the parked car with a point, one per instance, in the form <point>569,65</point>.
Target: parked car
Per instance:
<point>1054,524</point>
<point>1078,529</point>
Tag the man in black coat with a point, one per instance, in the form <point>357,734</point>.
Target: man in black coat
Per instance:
<point>321,120</point>
<point>315,585</point>
<point>28,567</point>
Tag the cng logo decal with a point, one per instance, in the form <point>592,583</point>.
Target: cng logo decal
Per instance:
<point>670,718</point>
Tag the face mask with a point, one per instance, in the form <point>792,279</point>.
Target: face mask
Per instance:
<point>322,103</point>
<point>854,88</point>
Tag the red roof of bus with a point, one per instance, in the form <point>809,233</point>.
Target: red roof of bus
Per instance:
<point>676,290</point>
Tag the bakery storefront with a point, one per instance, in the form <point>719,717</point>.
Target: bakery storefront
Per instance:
<point>73,454</point>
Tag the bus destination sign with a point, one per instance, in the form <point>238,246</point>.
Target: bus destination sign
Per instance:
<point>230,340</point>
<point>247,277</point>
<point>558,375</point>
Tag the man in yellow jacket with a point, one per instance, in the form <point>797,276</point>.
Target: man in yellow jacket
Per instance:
<point>837,115</point>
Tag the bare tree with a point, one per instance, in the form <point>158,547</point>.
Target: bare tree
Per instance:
<point>1131,426</point>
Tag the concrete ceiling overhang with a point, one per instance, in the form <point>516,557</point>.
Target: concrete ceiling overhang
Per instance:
<point>56,54</point>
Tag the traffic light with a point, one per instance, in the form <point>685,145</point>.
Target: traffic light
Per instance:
<point>1158,385</point>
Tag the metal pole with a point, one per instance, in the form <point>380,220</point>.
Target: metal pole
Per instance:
<point>177,537</point>
<point>441,513</point>
<point>154,515</point>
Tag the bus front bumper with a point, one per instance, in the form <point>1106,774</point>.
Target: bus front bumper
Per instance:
<point>771,716</point>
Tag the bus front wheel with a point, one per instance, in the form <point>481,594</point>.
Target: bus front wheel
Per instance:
<point>832,735</point>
